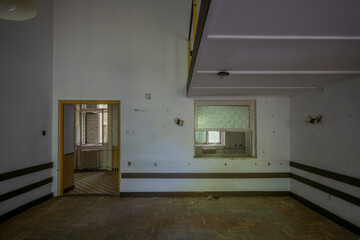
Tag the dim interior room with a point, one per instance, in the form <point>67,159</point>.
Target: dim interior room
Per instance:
<point>211,100</point>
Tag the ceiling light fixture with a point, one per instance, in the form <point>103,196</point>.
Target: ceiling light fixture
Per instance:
<point>17,10</point>
<point>221,75</point>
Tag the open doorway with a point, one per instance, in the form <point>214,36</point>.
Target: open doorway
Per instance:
<point>89,149</point>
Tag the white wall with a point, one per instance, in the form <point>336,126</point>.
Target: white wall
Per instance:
<point>120,50</point>
<point>26,101</point>
<point>332,145</point>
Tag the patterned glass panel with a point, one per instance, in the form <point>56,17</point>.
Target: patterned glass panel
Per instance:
<point>214,137</point>
<point>102,106</point>
<point>200,137</point>
<point>223,117</point>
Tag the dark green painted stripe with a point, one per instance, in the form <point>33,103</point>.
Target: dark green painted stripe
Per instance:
<point>24,171</point>
<point>347,197</point>
<point>332,175</point>
<point>25,207</point>
<point>206,175</point>
<point>205,194</point>
<point>204,9</point>
<point>342,222</point>
<point>25,189</point>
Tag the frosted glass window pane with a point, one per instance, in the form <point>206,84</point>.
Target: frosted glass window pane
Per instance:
<point>105,118</point>
<point>200,137</point>
<point>102,106</point>
<point>214,137</point>
<point>223,117</point>
<point>89,106</point>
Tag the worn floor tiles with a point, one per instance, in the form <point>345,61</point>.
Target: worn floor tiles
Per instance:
<point>111,217</point>
<point>95,182</point>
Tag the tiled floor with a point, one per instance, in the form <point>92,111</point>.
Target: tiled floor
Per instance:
<point>110,217</point>
<point>95,182</point>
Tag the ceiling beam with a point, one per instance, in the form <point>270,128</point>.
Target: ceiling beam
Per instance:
<point>280,72</point>
<point>275,37</point>
<point>204,8</point>
<point>256,87</point>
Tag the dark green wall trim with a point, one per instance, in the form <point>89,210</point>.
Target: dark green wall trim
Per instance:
<point>25,207</point>
<point>342,222</point>
<point>25,189</point>
<point>206,175</point>
<point>204,8</point>
<point>328,174</point>
<point>347,197</point>
<point>24,171</point>
<point>205,194</point>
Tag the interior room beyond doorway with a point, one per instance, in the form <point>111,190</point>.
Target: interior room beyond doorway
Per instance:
<point>90,152</point>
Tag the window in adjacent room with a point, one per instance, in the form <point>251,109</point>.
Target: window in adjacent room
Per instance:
<point>224,129</point>
<point>93,119</point>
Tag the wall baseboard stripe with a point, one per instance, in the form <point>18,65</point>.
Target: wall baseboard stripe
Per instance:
<point>205,194</point>
<point>24,207</point>
<point>332,175</point>
<point>24,171</point>
<point>206,175</point>
<point>25,189</point>
<point>347,197</point>
<point>342,222</point>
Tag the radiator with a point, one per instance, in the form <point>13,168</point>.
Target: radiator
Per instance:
<point>89,159</point>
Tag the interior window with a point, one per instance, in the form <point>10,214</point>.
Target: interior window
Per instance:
<point>224,129</point>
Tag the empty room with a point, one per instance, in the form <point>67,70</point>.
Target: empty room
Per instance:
<point>180,119</point>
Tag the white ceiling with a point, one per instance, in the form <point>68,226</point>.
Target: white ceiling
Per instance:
<point>277,47</point>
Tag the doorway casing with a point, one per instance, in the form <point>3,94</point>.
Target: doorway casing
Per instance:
<point>61,136</point>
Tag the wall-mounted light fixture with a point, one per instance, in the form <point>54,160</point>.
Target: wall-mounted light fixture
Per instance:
<point>179,122</point>
<point>221,75</point>
<point>17,10</point>
<point>314,120</point>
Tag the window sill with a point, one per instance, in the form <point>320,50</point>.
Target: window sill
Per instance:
<point>210,145</point>
<point>225,156</point>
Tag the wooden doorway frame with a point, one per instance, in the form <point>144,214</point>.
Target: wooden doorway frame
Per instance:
<point>61,136</point>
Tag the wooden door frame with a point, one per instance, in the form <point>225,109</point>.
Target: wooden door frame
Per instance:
<point>61,135</point>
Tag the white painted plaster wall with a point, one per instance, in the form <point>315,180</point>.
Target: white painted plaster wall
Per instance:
<point>120,50</point>
<point>332,145</point>
<point>26,54</point>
